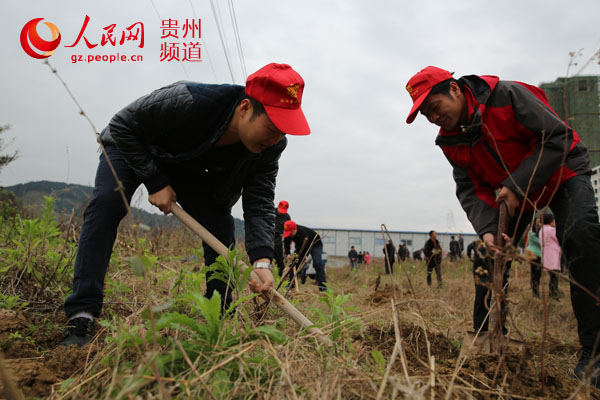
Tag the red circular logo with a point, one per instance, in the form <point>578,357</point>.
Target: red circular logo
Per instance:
<point>30,38</point>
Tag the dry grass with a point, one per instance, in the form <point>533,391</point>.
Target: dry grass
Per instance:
<point>412,356</point>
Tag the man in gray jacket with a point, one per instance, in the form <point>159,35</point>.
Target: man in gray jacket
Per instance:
<point>204,146</point>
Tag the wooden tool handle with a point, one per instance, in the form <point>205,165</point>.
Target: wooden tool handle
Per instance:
<point>273,295</point>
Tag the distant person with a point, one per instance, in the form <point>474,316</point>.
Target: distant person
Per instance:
<point>534,254</point>
<point>403,252</point>
<point>461,244</point>
<point>417,255</point>
<point>433,257</point>
<point>299,235</point>
<point>389,252</point>
<point>361,258</point>
<point>204,146</point>
<point>353,258</point>
<point>367,258</point>
<point>471,249</point>
<point>454,249</point>
<point>506,144</point>
<point>281,216</point>
<point>551,252</point>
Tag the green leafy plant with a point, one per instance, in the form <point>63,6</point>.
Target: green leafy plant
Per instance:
<point>337,317</point>
<point>456,344</point>
<point>10,206</point>
<point>379,361</point>
<point>227,270</point>
<point>191,328</point>
<point>12,302</point>
<point>18,336</point>
<point>36,251</point>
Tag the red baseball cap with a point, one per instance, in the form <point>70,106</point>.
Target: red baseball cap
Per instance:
<point>288,228</point>
<point>283,207</point>
<point>421,84</point>
<point>279,88</point>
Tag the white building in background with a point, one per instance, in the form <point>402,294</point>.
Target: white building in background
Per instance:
<point>596,184</point>
<point>337,242</point>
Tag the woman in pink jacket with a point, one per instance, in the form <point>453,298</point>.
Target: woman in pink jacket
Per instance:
<point>551,252</point>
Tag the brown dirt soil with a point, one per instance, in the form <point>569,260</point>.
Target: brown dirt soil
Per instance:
<point>520,377</point>
<point>11,320</point>
<point>33,359</point>
<point>385,294</point>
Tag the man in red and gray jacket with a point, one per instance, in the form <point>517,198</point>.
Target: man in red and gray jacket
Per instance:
<point>505,143</point>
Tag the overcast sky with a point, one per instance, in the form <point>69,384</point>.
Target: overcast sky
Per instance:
<point>362,165</point>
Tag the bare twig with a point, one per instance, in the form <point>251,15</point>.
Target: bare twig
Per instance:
<point>97,135</point>
<point>412,289</point>
<point>395,351</point>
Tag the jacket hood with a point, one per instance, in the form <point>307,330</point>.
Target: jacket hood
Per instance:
<point>481,87</point>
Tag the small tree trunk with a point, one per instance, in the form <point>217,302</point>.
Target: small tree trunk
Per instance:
<point>495,331</point>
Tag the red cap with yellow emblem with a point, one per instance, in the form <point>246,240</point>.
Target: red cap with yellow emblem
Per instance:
<point>421,84</point>
<point>288,228</point>
<point>279,88</point>
<point>283,207</point>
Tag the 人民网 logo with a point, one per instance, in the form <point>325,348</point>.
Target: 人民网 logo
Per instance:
<point>30,38</point>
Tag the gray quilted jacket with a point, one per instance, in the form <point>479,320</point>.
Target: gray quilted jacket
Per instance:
<point>179,125</point>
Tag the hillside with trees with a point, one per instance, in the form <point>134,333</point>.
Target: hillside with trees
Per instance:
<point>68,197</point>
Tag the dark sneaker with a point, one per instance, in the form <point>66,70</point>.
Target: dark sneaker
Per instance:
<point>588,367</point>
<point>79,331</point>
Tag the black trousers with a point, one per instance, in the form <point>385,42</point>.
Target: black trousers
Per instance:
<point>578,231</point>
<point>389,266</point>
<point>316,252</point>
<point>278,253</point>
<point>438,272</point>
<point>536,275</point>
<point>482,273</point>
<point>102,218</point>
